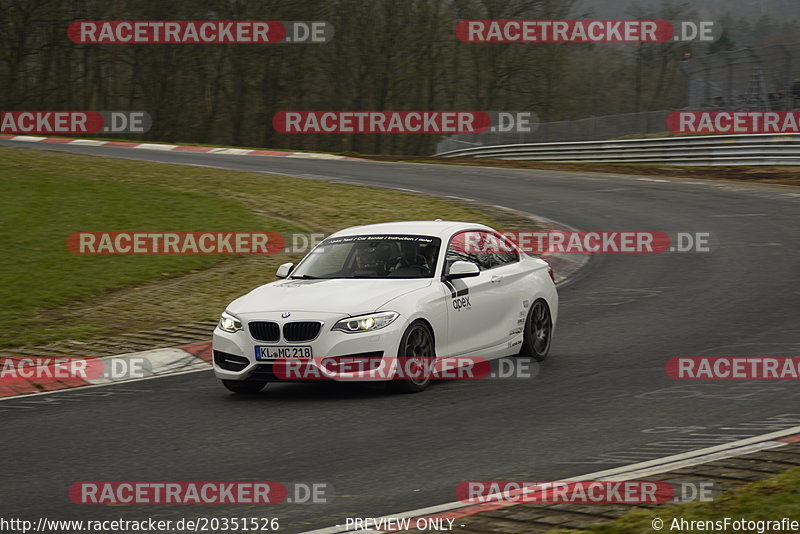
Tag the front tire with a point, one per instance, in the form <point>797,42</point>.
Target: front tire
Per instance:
<point>417,351</point>
<point>538,331</point>
<point>250,387</point>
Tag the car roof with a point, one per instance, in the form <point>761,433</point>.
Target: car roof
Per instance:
<point>438,228</point>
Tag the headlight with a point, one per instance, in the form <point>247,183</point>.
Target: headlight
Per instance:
<point>229,323</point>
<point>364,323</point>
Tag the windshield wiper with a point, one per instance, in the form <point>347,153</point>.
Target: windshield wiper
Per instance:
<point>306,277</point>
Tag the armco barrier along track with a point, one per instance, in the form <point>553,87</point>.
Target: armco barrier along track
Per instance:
<point>701,150</point>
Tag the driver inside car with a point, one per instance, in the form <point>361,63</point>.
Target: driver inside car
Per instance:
<point>410,257</point>
<point>370,260</point>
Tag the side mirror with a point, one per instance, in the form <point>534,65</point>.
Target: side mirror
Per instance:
<point>463,269</point>
<point>284,270</point>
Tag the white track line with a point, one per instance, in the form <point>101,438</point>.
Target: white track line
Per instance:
<point>28,138</point>
<point>628,472</point>
<point>160,362</point>
<point>153,146</point>
<point>23,397</point>
<point>87,142</point>
<point>230,151</point>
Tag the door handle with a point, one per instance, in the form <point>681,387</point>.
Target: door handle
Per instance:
<point>497,279</point>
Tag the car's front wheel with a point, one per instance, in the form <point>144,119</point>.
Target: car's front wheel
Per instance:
<point>249,387</point>
<point>538,331</point>
<point>415,355</point>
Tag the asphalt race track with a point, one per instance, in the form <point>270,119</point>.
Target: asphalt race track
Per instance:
<point>601,400</point>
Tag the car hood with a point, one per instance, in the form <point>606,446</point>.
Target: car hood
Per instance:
<point>343,296</point>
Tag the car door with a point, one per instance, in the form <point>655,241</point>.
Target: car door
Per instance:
<point>479,306</point>
<point>502,259</point>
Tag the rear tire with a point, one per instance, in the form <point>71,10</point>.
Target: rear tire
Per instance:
<point>416,347</point>
<point>244,387</point>
<point>538,331</point>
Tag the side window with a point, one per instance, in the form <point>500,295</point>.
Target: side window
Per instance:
<point>506,251</point>
<point>485,249</point>
<point>459,249</point>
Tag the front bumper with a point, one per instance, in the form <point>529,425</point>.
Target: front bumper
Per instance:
<point>235,353</point>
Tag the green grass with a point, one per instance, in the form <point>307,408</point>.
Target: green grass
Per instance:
<point>770,499</point>
<point>50,294</point>
<point>41,209</point>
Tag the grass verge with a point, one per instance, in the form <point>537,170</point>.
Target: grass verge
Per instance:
<point>770,499</point>
<point>51,294</point>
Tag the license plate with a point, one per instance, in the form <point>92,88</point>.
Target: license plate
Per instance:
<point>278,352</point>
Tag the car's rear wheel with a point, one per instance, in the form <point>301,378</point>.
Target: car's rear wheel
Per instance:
<point>538,331</point>
<point>249,387</point>
<point>415,355</point>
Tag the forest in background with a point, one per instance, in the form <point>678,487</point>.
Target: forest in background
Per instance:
<point>385,55</point>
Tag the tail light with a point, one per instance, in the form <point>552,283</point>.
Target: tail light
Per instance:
<point>550,272</point>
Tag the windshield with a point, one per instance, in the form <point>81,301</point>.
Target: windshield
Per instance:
<point>371,256</point>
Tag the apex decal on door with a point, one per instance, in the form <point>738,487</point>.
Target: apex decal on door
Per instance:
<point>461,303</point>
<point>459,293</point>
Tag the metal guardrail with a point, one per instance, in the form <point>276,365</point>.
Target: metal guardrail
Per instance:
<point>744,149</point>
<point>601,128</point>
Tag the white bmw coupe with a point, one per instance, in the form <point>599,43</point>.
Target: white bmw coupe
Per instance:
<point>417,291</point>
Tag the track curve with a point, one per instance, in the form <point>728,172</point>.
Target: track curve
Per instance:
<point>595,402</point>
